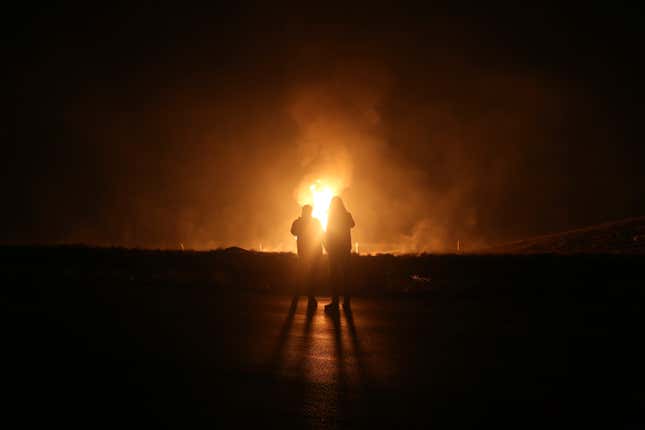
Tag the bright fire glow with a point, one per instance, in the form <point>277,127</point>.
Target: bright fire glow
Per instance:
<point>321,197</point>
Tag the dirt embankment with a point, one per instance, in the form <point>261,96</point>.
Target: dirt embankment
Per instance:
<point>618,237</point>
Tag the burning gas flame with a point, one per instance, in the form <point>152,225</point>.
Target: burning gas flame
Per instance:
<point>321,197</point>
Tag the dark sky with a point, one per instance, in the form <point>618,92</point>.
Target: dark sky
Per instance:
<point>154,126</point>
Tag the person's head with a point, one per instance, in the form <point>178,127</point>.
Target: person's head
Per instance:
<point>306,211</point>
<point>336,206</point>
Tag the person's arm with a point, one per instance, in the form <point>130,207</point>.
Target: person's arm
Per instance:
<point>350,220</point>
<point>295,228</point>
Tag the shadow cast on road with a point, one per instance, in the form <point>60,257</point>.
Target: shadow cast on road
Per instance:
<point>299,360</point>
<point>277,357</point>
<point>361,364</point>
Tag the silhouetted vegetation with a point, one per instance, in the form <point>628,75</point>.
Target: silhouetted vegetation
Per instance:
<point>238,269</point>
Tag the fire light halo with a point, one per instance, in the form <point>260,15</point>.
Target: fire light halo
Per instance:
<point>319,194</point>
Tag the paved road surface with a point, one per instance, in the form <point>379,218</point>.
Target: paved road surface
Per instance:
<point>177,356</point>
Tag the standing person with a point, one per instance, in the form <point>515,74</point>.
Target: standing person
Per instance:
<point>309,233</point>
<point>338,243</point>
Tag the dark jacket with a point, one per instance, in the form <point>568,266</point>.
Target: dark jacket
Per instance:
<point>338,239</point>
<point>309,233</point>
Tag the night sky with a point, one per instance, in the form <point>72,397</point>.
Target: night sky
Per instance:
<point>155,126</point>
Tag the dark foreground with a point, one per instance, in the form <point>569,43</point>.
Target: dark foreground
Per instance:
<point>465,342</point>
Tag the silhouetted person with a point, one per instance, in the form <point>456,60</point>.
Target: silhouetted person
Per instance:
<point>338,243</point>
<point>309,233</point>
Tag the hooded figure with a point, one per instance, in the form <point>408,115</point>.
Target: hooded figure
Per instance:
<point>338,243</point>
<point>309,233</point>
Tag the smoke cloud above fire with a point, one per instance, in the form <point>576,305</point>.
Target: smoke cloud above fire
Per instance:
<point>420,180</point>
<point>210,134</point>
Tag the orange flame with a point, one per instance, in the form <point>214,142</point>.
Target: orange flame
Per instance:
<point>321,195</point>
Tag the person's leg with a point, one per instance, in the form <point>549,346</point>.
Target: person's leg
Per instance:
<point>300,278</point>
<point>345,280</point>
<point>338,278</point>
<point>333,283</point>
<point>310,280</point>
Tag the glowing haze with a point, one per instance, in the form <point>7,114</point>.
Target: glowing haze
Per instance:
<point>158,128</point>
<point>321,196</point>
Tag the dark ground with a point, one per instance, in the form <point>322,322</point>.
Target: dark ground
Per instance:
<point>107,337</point>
